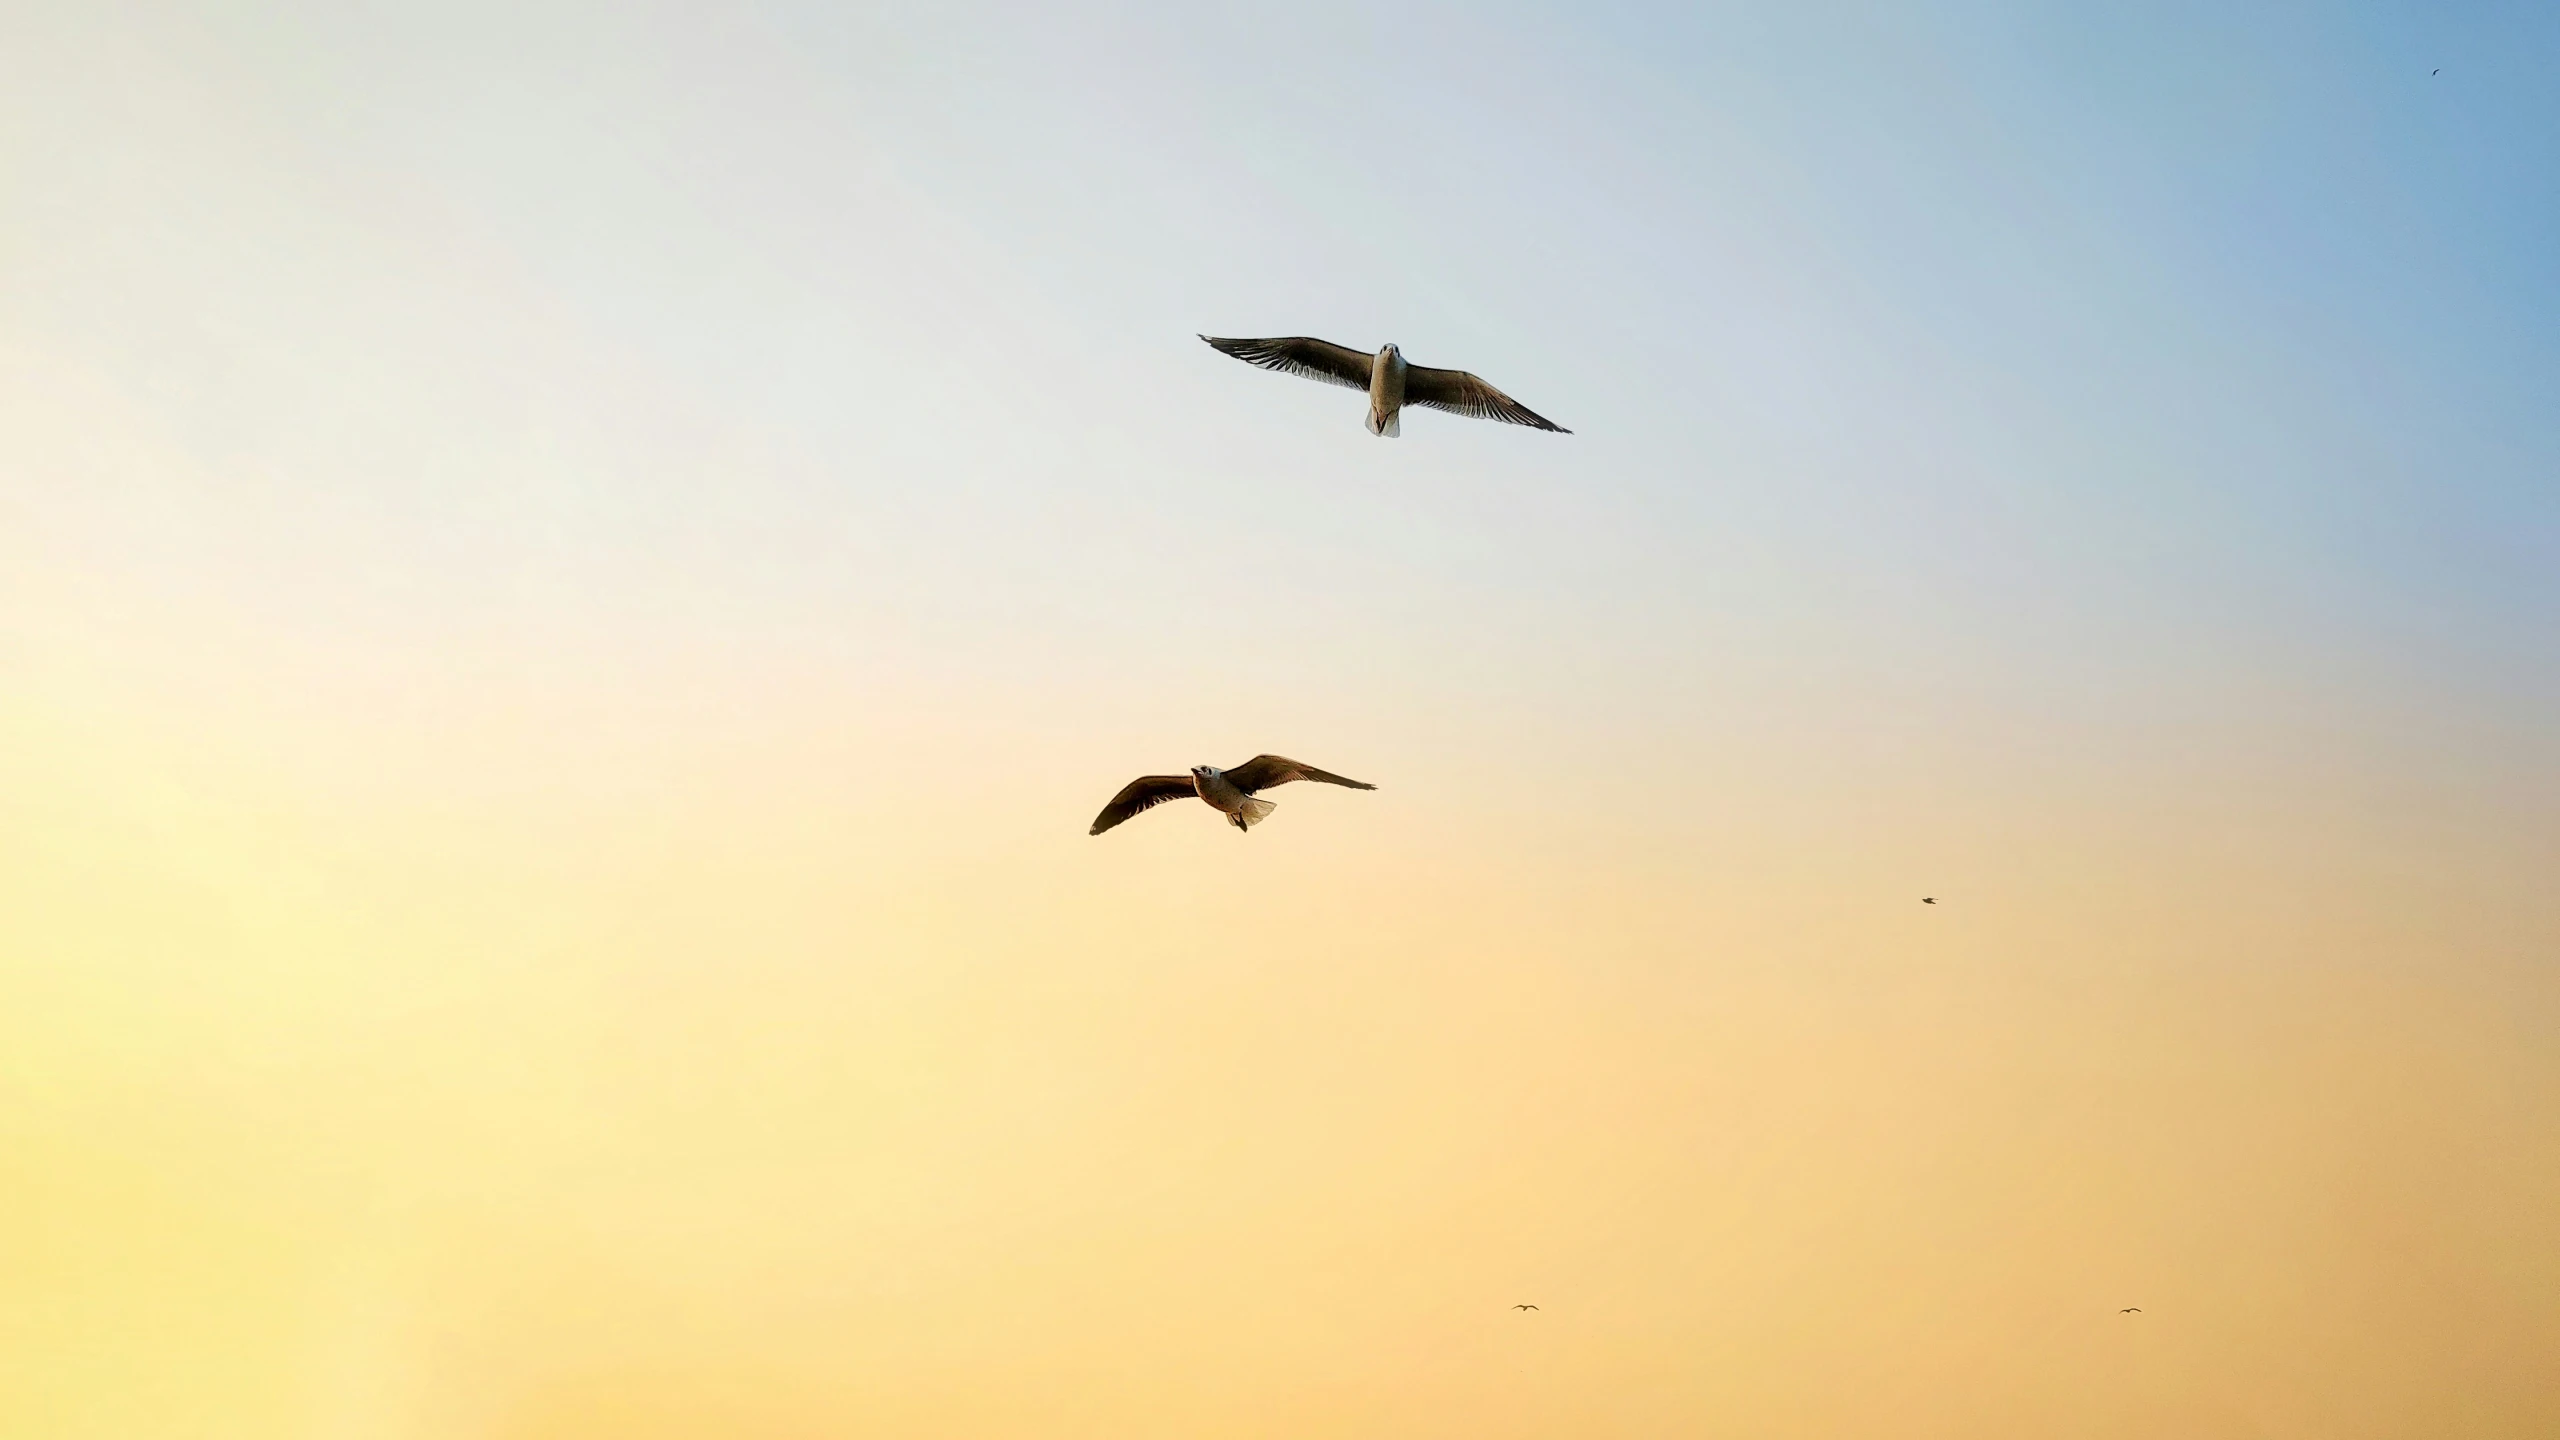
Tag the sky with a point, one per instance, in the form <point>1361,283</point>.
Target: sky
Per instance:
<point>571,576</point>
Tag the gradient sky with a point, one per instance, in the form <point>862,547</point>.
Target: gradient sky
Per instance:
<point>571,576</point>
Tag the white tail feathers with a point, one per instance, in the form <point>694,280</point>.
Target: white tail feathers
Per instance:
<point>1393,427</point>
<point>1254,813</point>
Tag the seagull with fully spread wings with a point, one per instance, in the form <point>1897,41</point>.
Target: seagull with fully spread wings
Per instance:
<point>1229,791</point>
<point>1524,1307</point>
<point>1392,384</point>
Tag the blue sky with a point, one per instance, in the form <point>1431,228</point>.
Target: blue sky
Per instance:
<point>2189,327</point>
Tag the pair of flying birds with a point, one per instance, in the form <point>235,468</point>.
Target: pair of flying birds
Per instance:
<point>1392,383</point>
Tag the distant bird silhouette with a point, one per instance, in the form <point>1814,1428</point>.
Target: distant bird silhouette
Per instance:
<point>1524,1307</point>
<point>2130,1310</point>
<point>1229,791</point>
<point>2435,72</point>
<point>1392,384</point>
<point>1928,899</point>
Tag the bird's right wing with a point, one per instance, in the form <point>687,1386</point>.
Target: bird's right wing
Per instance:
<point>1143,793</point>
<point>1460,393</point>
<point>1297,355</point>
<point>1264,771</point>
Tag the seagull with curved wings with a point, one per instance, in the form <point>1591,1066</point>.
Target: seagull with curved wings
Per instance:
<point>1392,384</point>
<point>1231,792</point>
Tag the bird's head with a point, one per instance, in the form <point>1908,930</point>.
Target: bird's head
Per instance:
<point>1203,772</point>
<point>1389,350</point>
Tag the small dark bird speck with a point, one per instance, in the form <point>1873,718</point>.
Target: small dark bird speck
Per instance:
<point>1524,1307</point>
<point>1928,899</point>
<point>2130,1310</point>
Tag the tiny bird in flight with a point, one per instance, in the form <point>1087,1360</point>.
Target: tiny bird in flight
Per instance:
<point>2130,1310</point>
<point>1524,1307</point>
<point>1928,899</point>
<point>1229,791</point>
<point>1392,384</point>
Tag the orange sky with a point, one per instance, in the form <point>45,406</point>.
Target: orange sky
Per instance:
<point>777,1102</point>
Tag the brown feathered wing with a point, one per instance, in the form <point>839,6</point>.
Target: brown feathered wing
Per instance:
<point>1144,793</point>
<point>1264,771</point>
<point>1460,393</point>
<point>1299,355</point>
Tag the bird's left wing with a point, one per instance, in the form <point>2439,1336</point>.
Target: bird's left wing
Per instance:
<point>1460,393</point>
<point>1264,771</point>
<point>1144,793</point>
<point>1301,355</point>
